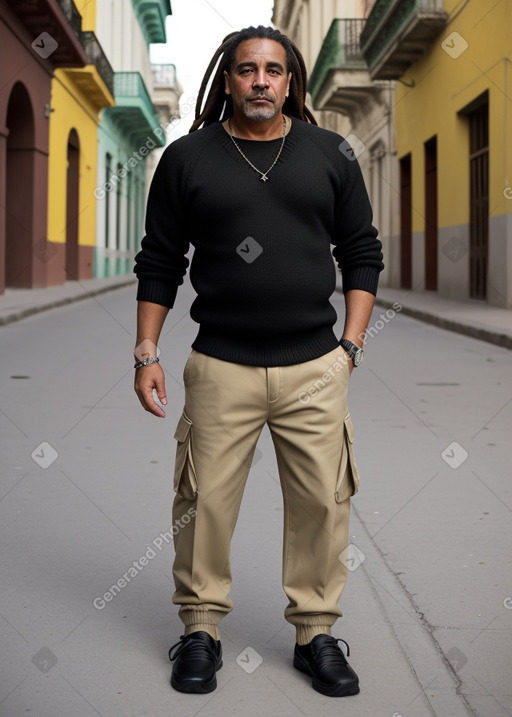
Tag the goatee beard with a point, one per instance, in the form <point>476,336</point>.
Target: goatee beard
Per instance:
<point>259,113</point>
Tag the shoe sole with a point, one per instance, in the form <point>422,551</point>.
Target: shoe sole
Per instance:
<point>322,687</point>
<point>194,686</point>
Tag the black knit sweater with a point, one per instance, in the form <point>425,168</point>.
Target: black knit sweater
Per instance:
<point>262,265</point>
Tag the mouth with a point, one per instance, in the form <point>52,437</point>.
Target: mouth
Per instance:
<point>260,100</point>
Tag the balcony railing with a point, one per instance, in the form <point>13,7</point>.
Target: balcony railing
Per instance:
<point>97,57</point>
<point>131,84</point>
<point>134,112</point>
<point>164,76</point>
<point>340,50</point>
<point>397,32</point>
<point>72,14</point>
<point>151,16</point>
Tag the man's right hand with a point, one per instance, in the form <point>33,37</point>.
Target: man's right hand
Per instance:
<point>148,378</point>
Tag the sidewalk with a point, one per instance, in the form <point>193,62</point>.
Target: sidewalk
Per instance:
<point>17,304</point>
<point>471,318</point>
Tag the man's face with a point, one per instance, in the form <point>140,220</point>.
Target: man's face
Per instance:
<point>258,81</point>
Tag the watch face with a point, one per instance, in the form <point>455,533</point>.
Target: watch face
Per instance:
<point>358,357</point>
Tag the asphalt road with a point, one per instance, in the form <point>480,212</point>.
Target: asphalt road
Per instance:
<point>85,498</point>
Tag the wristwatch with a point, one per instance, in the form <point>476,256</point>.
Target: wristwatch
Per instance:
<point>355,353</point>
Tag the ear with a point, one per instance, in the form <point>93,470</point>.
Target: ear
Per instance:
<point>226,83</point>
<point>288,86</point>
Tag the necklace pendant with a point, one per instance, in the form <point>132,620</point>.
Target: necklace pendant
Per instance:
<point>264,178</point>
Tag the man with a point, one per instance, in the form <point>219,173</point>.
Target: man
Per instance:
<point>261,193</point>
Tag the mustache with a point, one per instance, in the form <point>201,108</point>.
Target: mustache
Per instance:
<point>260,96</point>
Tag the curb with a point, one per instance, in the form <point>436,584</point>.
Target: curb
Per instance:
<point>86,294</point>
<point>490,337</point>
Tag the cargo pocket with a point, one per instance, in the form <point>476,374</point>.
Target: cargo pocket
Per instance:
<point>185,480</point>
<point>348,475</point>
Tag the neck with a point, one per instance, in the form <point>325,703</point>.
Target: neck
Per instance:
<point>246,128</point>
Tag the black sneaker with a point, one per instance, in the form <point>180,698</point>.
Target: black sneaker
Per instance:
<point>198,657</point>
<point>323,660</point>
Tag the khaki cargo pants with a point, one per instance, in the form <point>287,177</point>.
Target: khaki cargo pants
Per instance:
<point>226,407</point>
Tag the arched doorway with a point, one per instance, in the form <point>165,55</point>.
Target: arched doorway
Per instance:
<point>19,194</point>
<point>72,206</point>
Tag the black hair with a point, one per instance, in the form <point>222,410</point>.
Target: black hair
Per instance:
<point>218,105</point>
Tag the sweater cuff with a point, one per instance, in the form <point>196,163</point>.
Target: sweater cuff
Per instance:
<point>365,278</point>
<point>158,292</point>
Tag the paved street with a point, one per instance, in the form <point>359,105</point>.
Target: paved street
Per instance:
<point>85,498</point>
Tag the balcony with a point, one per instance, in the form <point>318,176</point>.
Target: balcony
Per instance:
<point>61,20</point>
<point>166,92</point>
<point>398,32</point>
<point>96,57</point>
<point>340,81</point>
<point>72,14</point>
<point>164,77</point>
<point>151,16</point>
<point>134,114</point>
<point>96,80</point>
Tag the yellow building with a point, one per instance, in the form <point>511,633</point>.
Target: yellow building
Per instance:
<point>452,60</point>
<point>77,97</point>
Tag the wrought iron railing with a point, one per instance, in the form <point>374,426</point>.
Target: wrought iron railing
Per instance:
<point>340,50</point>
<point>164,76</point>
<point>74,18</point>
<point>97,57</point>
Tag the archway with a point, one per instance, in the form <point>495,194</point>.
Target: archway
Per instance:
<point>19,194</point>
<point>72,206</point>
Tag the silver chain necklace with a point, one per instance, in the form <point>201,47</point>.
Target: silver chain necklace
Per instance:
<point>263,175</point>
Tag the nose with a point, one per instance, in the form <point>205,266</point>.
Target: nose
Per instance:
<point>260,78</point>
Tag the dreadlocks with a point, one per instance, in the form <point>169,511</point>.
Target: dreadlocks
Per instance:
<point>219,105</point>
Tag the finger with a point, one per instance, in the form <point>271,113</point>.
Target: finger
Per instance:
<point>160,390</point>
<point>145,395</point>
<point>151,405</point>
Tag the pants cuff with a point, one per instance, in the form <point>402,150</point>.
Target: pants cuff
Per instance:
<point>198,619</point>
<point>305,633</point>
<point>212,630</point>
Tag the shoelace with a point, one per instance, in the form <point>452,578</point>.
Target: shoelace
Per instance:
<point>331,652</point>
<point>195,647</point>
